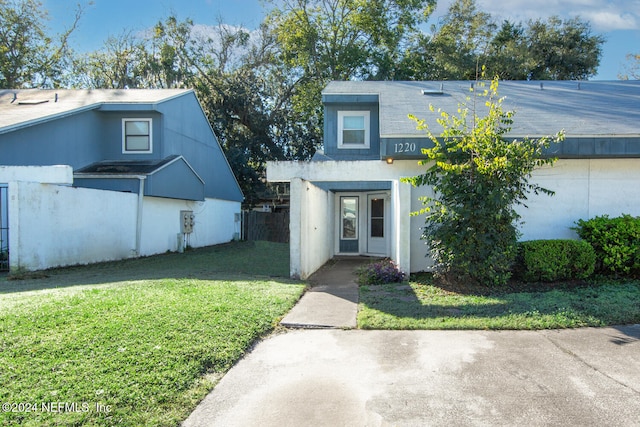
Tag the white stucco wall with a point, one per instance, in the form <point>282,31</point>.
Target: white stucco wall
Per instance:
<point>59,174</point>
<point>215,223</point>
<point>311,224</point>
<point>54,225</point>
<point>584,189</point>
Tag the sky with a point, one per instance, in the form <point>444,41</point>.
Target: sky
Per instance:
<point>617,20</point>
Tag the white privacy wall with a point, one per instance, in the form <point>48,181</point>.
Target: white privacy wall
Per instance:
<point>54,225</point>
<point>215,222</point>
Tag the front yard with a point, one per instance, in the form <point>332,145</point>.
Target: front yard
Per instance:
<point>141,342</point>
<point>421,304</point>
<point>137,342</point>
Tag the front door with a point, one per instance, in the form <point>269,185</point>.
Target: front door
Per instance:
<point>377,227</point>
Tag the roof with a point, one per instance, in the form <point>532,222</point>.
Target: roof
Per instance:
<point>585,108</point>
<point>23,107</point>
<point>126,167</point>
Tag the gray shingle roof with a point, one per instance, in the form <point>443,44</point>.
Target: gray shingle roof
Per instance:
<point>586,108</point>
<point>126,167</point>
<point>22,107</point>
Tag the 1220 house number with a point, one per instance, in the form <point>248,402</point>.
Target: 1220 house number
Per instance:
<point>405,147</point>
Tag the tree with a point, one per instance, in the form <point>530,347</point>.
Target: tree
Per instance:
<point>116,66</point>
<point>458,47</point>
<point>323,40</point>
<point>468,40</point>
<point>28,56</point>
<point>478,176</point>
<point>508,54</point>
<point>562,50</point>
<point>632,68</point>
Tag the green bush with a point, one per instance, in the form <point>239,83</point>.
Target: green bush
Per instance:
<point>553,260</point>
<point>616,242</point>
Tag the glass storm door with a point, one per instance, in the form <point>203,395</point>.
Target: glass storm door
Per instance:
<point>349,219</point>
<point>377,224</point>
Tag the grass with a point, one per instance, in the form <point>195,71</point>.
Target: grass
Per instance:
<point>423,304</point>
<point>136,342</point>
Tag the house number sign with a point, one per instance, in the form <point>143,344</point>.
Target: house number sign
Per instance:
<point>404,147</point>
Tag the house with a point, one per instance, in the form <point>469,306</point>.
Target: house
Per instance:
<point>96,175</point>
<point>349,199</point>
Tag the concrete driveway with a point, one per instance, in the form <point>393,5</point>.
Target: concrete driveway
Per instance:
<point>332,377</point>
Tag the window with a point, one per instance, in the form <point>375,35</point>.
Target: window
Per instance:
<point>136,136</point>
<point>349,218</point>
<point>353,129</point>
<point>377,218</point>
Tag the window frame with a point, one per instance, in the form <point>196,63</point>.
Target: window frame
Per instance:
<point>124,135</point>
<point>367,129</point>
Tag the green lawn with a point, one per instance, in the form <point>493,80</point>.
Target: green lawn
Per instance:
<point>420,304</point>
<point>136,342</point>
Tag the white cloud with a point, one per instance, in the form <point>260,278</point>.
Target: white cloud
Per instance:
<point>608,21</point>
<point>604,15</point>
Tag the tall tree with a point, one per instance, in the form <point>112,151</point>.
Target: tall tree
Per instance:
<point>468,39</point>
<point>562,50</point>
<point>459,46</point>
<point>115,66</point>
<point>631,68</point>
<point>323,40</point>
<point>29,56</point>
<point>508,56</point>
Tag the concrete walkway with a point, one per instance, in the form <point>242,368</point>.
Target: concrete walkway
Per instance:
<point>337,377</point>
<point>333,377</point>
<point>332,300</point>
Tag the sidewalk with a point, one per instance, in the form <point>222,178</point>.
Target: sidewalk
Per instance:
<point>332,300</point>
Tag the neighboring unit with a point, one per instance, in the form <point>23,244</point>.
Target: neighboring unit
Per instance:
<point>97,175</point>
<point>349,200</point>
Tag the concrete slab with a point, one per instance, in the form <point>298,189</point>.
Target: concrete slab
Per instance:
<point>332,299</point>
<point>586,377</point>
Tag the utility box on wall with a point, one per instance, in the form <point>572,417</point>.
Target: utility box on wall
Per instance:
<point>187,221</point>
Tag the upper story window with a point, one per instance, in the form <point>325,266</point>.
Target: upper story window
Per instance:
<point>137,136</point>
<point>353,129</point>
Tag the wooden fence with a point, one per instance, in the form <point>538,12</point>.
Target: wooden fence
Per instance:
<point>270,226</point>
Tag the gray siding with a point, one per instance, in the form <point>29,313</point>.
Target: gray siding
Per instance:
<point>331,131</point>
<point>81,138</point>
<point>73,140</point>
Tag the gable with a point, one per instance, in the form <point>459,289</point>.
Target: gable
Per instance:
<point>81,127</point>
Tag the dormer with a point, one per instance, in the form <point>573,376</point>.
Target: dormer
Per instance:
<point>351,126</point>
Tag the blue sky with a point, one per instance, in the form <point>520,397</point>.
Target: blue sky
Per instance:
<point>617,20</point>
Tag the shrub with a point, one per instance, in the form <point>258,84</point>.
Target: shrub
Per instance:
<point>384,271</point>
<point>553,260</point>
<point>616,242</point>
<point>478,177</point>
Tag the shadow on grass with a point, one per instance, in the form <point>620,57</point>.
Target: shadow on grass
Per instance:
<point>535,306</point>
<point>230,261</point>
